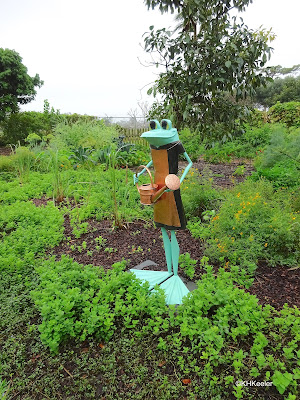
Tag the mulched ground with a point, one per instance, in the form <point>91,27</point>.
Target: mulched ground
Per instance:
<point>5,151</point>
<point>141,241</point>
<point>223,173</point>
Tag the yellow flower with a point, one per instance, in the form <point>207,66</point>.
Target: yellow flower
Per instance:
<point>238,195</point>
<point>241,233</point>
<point>266,244</point>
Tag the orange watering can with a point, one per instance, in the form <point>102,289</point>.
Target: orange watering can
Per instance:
<point>149,192</point>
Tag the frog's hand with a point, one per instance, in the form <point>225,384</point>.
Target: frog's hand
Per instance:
<point>136,176</point>
<point>187,167</point>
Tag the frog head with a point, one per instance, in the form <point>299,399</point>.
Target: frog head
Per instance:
<point>160,135</point>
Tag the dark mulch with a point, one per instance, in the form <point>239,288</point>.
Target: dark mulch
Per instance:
<point>5,151</point>
<point>277,286</point>
<point>138,242</point>
<point>223,173</point>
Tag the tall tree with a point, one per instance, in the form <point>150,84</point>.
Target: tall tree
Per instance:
<point>16,86</point>
<point>209,55</point>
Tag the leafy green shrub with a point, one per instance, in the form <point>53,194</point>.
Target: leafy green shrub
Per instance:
<point>81,156</point>
<point>18,126</point>
<point>287,113</point>
<point>6,164</point>
<point>246,145</point>
<point>280,162</point>
<point>137,156</point>
<point>192,143</point>
<point>78,302</point>
<point>197,192</point>
<point>91,134</point>
<point>283,174</point>
<point>255,223</point>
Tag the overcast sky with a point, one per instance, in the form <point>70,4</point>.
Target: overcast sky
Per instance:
<point>86,52</point>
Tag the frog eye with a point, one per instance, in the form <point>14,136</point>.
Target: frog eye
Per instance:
<point>154,124</point>
<point>166,124</point>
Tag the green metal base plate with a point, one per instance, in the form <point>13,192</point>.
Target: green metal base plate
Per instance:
<point>175,290</point>
<point>152,277</point>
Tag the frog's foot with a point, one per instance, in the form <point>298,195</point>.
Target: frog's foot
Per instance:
<point>174,289</point>
<point>152,277</point>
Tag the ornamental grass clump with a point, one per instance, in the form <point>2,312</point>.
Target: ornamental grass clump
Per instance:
<point>255,223</point>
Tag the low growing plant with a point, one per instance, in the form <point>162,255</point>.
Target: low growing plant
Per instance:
<point>79,302</point>
<point>255,223</point>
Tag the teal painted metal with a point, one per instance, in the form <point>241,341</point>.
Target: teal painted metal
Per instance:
<point>152,277</point>
<point>160,135</point>
<point>175,290</point>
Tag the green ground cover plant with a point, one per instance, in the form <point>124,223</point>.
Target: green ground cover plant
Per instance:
<point>26,231</point>
<point>77,302</point>
<point>218,336</point>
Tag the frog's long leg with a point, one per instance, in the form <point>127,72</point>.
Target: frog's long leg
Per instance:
<point>156,277</point>
<point>168,249</point>
<point>175,252</point>
<point>174,288</point>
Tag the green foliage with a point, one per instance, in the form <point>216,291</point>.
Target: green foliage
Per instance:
<point>26,126</point>
<point>255,218</point>
<point>209,52</point>
<point>281,90</point>
<point>286,113</point>
<point>4,389</point>
<point>197,192</point>
<point>191,143</point>
<point>248,145</point>
<point>26,231</point>
<point>220,331</point>
<point>23,160</point>
<point>218,336</point>
<point>19,126</point>
<point>33,139</point>
<point>81,156</point>
<point>79,302</point>
<point>187,264</point>
<point>16,86</point>
<point>280,162</point>
<point>90,134</point>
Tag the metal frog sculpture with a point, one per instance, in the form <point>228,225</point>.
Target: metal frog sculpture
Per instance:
<point>164,194</point>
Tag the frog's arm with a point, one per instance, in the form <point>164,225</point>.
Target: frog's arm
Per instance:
<point>187,167</point>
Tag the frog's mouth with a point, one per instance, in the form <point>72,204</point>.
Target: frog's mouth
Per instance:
<point>157,133</point>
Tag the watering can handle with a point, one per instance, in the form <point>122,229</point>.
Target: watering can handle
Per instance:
<point>171,182</point>
<point>149,173</point>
